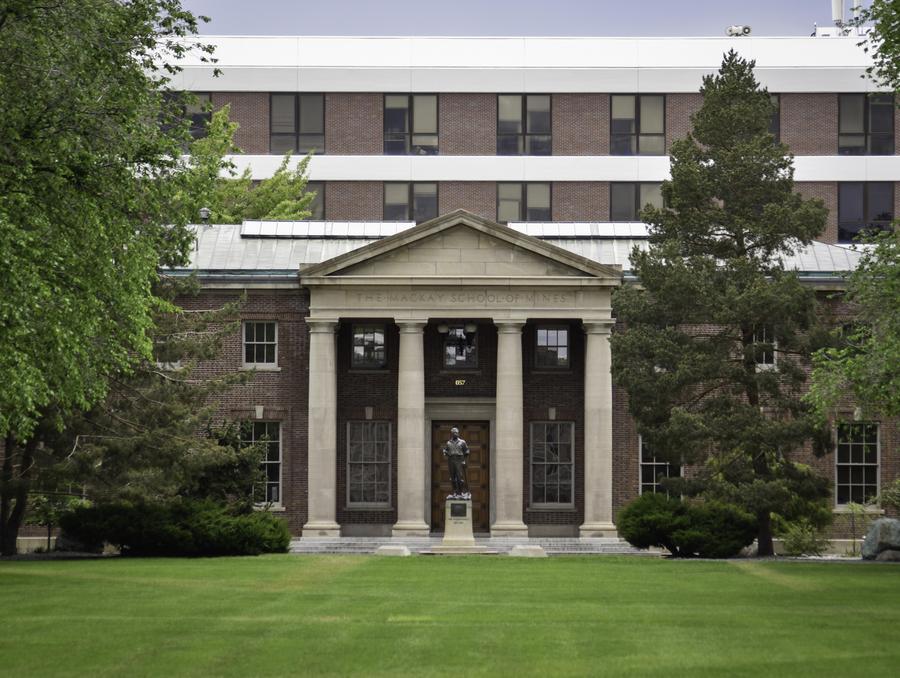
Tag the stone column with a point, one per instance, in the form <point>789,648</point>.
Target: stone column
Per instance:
<point>509,453</point>
<point>411,452</point>
<point>322,425</point>
<point>598,469</point>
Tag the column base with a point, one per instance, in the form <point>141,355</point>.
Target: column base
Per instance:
<point>509,529</point>
<point>598,530</point>
<point>321,529</point>
<point>410,529</point>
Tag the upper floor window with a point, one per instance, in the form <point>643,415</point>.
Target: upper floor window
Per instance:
<point>654,471</point>
<point>864,206</point>
<point>260,344</point>
<point>523,124</point>
<point>552,463</point>
<point>775,121</point>
<point>857,462</point>
<point>410,124</point>
<point>199,112</point>
<point>266,433</point>
<point>460,347</point>
<point>552,347</point>
<point>866,124</point>
<point>297,123</point>
<point>368,347</point>
<point>637,124</point>
<point>626,200</point>
<point>523,202</point>
<point>368,463</point>
<point>764,346</point>
<point>317,206</point>
<point>410,201</point>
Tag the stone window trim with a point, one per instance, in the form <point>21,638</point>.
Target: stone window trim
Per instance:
<point>850,464</point>
<point>537,367</point>
<point>388,463</point>
<point>265,365</point>
<point>532,464</point>
<point>654,463</point>
<point>365,328</point>
<point>251,424</point>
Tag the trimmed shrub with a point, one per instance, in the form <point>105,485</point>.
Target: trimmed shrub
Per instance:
<point>802,538</point>
<point>177,528</point>
<point>704,529</point>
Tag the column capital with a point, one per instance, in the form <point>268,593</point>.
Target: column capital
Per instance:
<point>410,325</point>
<point>598,326</point>
<point>322,325</point>
<point>509,326</point>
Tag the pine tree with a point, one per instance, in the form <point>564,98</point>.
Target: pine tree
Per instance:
<point>716,336</point>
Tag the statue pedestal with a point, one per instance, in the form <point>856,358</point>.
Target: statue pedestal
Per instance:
<point>458,536</point>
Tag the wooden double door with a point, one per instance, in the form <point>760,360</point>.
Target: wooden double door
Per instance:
<point>477,435</point>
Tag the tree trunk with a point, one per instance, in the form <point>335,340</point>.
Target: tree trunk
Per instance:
<point>12,515</point>
<point>7,547</point>
<point>49,531</point>
<point>764,537</point>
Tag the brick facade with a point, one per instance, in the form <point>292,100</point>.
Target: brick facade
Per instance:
<point>354,201</point>
<point>478,197</point>
<point>580,201</point>
<point>580,124</point>
<point>251,111</point>
<point>809,123</point>
<point>467,124</point>
<point>354,123</point>
<point>827,192</point>
<point>679,109</point>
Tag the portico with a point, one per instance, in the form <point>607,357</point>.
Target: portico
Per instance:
<point>460,268</point>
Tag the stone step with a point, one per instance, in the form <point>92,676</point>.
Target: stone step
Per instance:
<point>556,546</point>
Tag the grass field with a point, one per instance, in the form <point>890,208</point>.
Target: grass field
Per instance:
<point>347,615</point>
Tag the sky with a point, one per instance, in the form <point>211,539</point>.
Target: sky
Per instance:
<point>511,17</point>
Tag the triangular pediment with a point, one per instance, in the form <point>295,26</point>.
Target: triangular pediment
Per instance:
<point>461,244</point>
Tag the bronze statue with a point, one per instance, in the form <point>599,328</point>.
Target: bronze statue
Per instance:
<point>457,453</point>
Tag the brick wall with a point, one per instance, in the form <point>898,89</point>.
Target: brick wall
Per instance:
<point>580,201</point>
<point>251,111</point>
<point>827,192</point>
<point>580,124</point>
<point>679,109</point>
<point>467,124</point>
<point>478,197</point>
<point>353,123</point>
<point>354,201</point>
<point>809,123</point>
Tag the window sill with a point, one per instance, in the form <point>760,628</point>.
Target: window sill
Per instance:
<point>561,508</point>
<point>269,508</point>
<point>363,370</point>
<point>260,368</point>
<point>550,370</point>
<point>369,507</point>
<point>843,509</point>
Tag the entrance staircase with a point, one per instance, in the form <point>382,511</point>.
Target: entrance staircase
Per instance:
<point>553,546</point>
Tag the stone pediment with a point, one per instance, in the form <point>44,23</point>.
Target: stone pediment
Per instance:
<point>461,244</point>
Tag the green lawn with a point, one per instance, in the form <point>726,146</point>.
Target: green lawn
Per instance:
<point>345,615</point>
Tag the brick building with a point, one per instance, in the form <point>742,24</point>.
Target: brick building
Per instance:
<point>524,163</point>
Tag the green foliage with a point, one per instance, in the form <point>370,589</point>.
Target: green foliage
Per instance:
<point>802,538</point>
<point>883,42</point>
<point>890,496</point>
<point>714,298</point>
<point>177,528</point>
<point>706,529</point>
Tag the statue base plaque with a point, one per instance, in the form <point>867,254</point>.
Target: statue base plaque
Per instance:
<point>458,537</point>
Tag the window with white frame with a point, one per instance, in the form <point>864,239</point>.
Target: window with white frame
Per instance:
<point>260,343</point>
<point>857,462</point>
<point>460,348</point>
<point>764,346</point>
<point>654,471</point>
<point>368,463</point>
<point>267,433</point>
<point>368,347</point>
<point>552,347</point>
<point>552,463</point>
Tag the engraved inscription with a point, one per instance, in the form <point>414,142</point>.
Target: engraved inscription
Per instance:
<point>484,298</point>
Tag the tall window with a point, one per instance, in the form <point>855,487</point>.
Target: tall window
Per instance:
<point>410,201</point>
<point>368,463</point>
<point>297,123</point>
<point>523,124</point>
<point>775,121</point>
<point>857,462</point>
<point>523,202</point>
<point>552,463</point>
<point>551,347</point>
<point>654,470</point>
<point>317,206</point>
<point>460,348</point>
<point>266,433</point>
<point>637,124</point>
<point>410,124</point>
<point>260,344</point>
<point>368,347</point>
<point>864,206</point>
<point>764,345</point>
<point>199,113</point>
<point>866,124</point>
<point>626,200</point>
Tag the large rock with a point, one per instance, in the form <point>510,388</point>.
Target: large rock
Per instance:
<point>889,556</point>
<point>884,535</point>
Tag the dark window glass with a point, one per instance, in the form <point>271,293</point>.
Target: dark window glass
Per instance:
<point>551,347</point>
<point>460,348</point>
<point>866,124</point>
<point>637,124</point>
<point>775,122</point>
<point>369,462</point>
<point>296,123</point>
<point>199,113</point>
<point>552,463</point>
<point>626,200</point>
<point>368,347</point>
<point>410,124</point>
<point>410,201</point>
<point>267,433</point>
<point>857,462</point>
<point>317,206</point>
<point>260,343</point>
<point>523,202</point>
<point>654,470</point>
<point>764,340</point>
<point>864,206</point>
<point>523,124</point>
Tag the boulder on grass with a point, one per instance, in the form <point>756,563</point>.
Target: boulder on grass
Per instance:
<point>884,535</point>
<point>889,556</point>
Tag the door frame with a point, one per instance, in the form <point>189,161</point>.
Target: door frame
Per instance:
<point>468,409</point>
